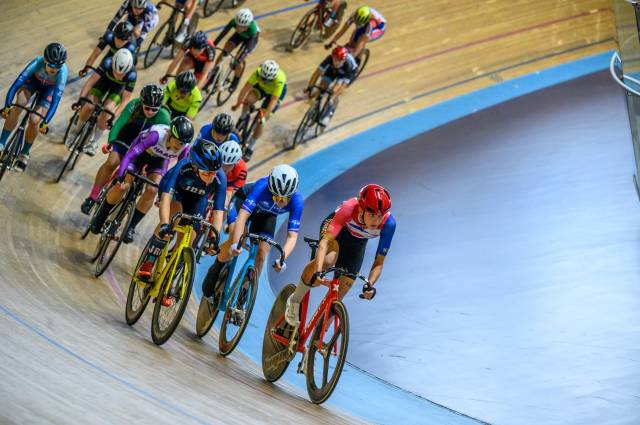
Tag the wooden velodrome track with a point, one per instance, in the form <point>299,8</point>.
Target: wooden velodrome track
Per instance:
<point>67,355</point>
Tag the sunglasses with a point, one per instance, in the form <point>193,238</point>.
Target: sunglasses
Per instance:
<point>206,173</point>
<point>53,66</point>
<point>151,108</point>
<point>280,199</point>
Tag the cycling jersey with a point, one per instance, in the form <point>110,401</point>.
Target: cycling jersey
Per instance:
<point>374,29</point>
<point>147,20</point>
<point>183,183</point>
<point>206,134</point>
<point>348,216</point>
<point>271,88</point>
<point>260,200</point>
<point>248,39</point>
<point>153,143</point>
<point>185,106</point>
<point>132,121</point>
<point>208,54</point>
<point>237,177</point>
<point>109,40</point>
<point>345,74</point>
<point>35,79</point>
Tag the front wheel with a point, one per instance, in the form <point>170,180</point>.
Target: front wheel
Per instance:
<point>112,236</point>
<point>238,312</point>
<point>306,123</point>
<point>323,373</point>
<point>362,62</point>
<point>211,6</point>
<point>75,148</point>
<point>275,358</point>
<point>175,288</point>
<point>211,87</point>
<point>11,151</point>
<point>157,45</point>
<point>138,295</point>
<point>304,29</point>
<point>208,312</point>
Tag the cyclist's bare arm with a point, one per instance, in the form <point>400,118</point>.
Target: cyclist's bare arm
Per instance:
<point>341,32</point>
<point>227,200</point>
<point>218,217</point>
<point>90,82</point>
<point>164,209</point>
<point>290,243</point>
<point>243,94</point>
<point>126,96</point>
<point>174,63</point>
<point>93,56</point>
<point>204,77</point>
<point>362,41</point>
<point>376,269</point>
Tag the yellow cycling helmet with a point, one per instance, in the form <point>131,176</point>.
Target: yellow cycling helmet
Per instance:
<point>362,16</point>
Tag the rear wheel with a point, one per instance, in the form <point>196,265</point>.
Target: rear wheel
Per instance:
<point>362,62</point>
<point>211,6</point>
<point>10,152</point>
<point>306,123</point>
<point>211,86</point>
<point>238,312</point>
<point>138,295</point>
<point>275,358</point>
<point>157,45</point>
<point>75,148</point>
<point>112,235</point>
<point>304,29</point>
<point>323,372</point>
<point>177,288</point>
<point>208,312</point>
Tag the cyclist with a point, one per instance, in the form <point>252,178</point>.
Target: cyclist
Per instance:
<point>142,14</point>
<point>182,96</point>
<point>246,35</point>
<point>370,26</point>
<point>140,114</point>
<point>45,76</point>
<point>197,53</point>
<point>267,83</point>
<point>269,197</point>
<point>219,130</point>
<point>332,7</point>
<point>186,188</point>
<point>151,150</point>
<point>234,168</point>
<point>337,69</point>
<point>113,84</point>
<point>119,38</point>
<point>343,240</point>
<point>188,8</point>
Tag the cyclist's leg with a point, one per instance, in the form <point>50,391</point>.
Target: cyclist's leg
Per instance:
<point>110,104</point>
<point>104,174</point>
<point>145,202</point>
<point>186,64</point>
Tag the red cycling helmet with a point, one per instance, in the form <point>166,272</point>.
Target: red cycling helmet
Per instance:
<point>340,53</point>
<point>374,198</point>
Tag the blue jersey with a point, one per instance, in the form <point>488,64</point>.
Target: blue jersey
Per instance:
<point>35,70</point>
<point>106,70</point>
<point>109,40</point>
<point>184,184</point>
<point>206,134</point>
<point>146,21</point>
<point>261,200</point>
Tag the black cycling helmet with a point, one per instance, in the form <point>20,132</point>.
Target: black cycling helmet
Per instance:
<point>186,81</point>
<point>152,95</point>
<point>123,30</point>
<point>223,123</point>
<point>182,129</point>
<point>199,40</point>
<point>206,156</point>
<point>55,54</point>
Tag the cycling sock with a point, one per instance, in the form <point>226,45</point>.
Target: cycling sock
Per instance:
<point>4,136</point>
<point>97,135</point>
<point>186,22</point>
<point>211,278</point>
<point>103,213</point>
<point>26,148</point>
<point>300,292</point>
<point>137,216</point>
<point>95,192</point>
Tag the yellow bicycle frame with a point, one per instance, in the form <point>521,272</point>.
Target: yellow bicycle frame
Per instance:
<point>185,233</point>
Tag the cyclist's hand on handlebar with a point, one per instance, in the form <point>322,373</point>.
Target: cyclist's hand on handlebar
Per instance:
<point>164,79</point>
<point>278,267</point>
<point>75,106</point>
<point>329,45</point>
<point>165,230</point>
<point>5,112</point>
<point>235,107</point>
<point>316,279</point>
<point>109,123</point>
<point>235,250</point>
<point>368,291</point>
<point>83,72</point>
<point>44,128</point>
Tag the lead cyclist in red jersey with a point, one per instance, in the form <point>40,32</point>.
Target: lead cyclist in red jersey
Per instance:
<point>343,239</point>
<point>197,54</point>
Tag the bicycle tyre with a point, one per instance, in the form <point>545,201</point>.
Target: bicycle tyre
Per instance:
<point>160,337</point>
<point>72,121</point>
<point>304,126</point>
<point>121,222</point>
<point>77,144</point>
<point>96,207</point>
<point>10,152</point>
<point>303,29</point>
<point>132,316</point>
<point>225,92</point>
<point>361,64</point>
<point>210,87</point>
<point>155,48</point>
<point>317,394</point>
<point>270,347</point>
<point>319,129</point>
<point>241,128</point>
<point>211,6</point>
<point>226,346</point>
<point>207,313</point>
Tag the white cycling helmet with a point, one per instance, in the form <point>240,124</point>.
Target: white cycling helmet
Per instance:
<point>122,61</point>
<point>244,17</point>
<point>139,4</point>
<point>231,152</point>
<point>283,180</point>
<point>269,69</point>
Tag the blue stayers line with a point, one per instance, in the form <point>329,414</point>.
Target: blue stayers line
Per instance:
<point>218,28</point>
<point>171,407</point>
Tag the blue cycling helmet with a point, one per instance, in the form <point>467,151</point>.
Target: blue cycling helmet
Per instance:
<point>206,156</point>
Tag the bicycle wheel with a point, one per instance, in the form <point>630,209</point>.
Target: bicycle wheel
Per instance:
<point>275,358</point>
<point>211,6</point>
<point>76,148</point>
<point>211,86</point>
<point>208,312</point>
<point>238,312</point>
<point>304,29</point>
<point>96,207</point>
<point>11,150</point>
<point>319,129</point>
<point>241,128</point>
<point>72,122</point>
<point>225,91</point>
<point>138,295</point>
<point>158,44</point>
<point>334,346</point>
<point>306,123</point>
<point>328,32</point>
<point>177,287</point>
<point>362,62</point>
<point>112,236</point>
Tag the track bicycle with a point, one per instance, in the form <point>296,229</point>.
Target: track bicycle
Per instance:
<point>166,35</point>
<point>319,110</point>
<point>246,125</point>
<point>327,334</point>
<point>221,76</point>
<point>14,145</point>
<point>116,226</point>
<point>235,298</point>
<point>316,19</point>
<point>209,7</point>
<point>171,279</point>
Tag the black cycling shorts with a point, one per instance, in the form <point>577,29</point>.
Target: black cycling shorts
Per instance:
<point>351,249</point>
